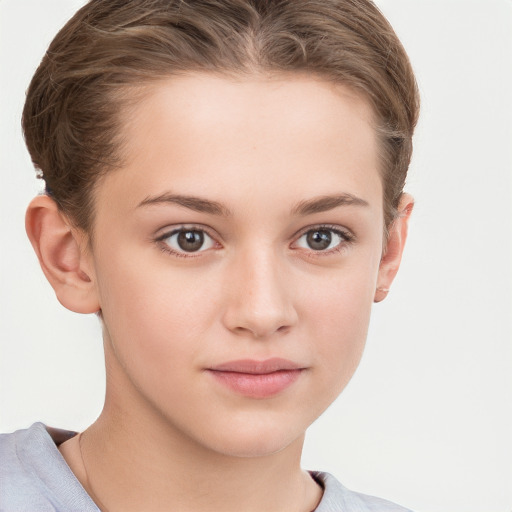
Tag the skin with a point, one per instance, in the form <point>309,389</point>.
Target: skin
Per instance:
<point>260,148</point>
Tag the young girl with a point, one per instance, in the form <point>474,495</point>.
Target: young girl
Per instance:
<point>224,189</point>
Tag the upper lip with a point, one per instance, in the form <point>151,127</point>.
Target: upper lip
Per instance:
<point>255,367</point>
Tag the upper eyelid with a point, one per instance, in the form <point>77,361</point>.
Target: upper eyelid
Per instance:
<point>168,231</point>
<point>330,227</point>
<point>160,240</point>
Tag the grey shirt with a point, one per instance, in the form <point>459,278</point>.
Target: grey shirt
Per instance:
<point>35,477</point>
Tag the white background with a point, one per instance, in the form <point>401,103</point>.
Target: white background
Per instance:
<point>427,420</point>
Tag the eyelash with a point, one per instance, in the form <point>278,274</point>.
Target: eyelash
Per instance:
<point>183,229</point>
<point>347,239</point>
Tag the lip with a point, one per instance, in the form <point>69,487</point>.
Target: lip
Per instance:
<point>257,379</point>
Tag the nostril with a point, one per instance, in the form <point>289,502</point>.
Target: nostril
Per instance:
<point>261,333</point>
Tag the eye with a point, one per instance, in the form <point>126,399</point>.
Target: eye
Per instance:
<point>323,239</point>
<point>187,240</point>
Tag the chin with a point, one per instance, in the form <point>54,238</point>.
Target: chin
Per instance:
<point>254,440</point>
<point>252,448</point>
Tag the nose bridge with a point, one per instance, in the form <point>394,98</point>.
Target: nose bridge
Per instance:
<point>260,300</point>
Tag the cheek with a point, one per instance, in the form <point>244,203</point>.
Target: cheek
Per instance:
<point>152,315</point>
<point>339,316</point>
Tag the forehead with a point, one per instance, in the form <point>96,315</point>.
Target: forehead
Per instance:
<point>209,105</point>
<point>223,136</point>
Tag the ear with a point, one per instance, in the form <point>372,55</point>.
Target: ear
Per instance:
<point>63,255</point>
<point>390,261</point>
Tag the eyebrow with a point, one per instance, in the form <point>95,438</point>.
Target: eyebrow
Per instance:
<point>306,207</point>
<point>326,203</point>
<point>198,204</point>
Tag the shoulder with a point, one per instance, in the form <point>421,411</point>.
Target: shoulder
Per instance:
<point>338,498</point>
<point>34,476</point>
<point>20,488</point>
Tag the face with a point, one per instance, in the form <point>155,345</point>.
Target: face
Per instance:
<point>236,256</point>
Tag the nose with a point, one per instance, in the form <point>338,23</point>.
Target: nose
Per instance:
<point>259,295</point>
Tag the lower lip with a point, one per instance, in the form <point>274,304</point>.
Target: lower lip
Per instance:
<point>263,385</point>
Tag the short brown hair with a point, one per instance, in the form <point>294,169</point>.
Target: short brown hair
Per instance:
<point>72,116</point>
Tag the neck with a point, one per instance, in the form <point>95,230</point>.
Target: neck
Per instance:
<point>136,468</point>
<point>132,461</point>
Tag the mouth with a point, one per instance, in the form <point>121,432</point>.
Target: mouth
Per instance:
<point>257,379</point>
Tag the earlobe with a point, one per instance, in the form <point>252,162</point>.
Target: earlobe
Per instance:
<point>390,261</point>
<point>62,255</point>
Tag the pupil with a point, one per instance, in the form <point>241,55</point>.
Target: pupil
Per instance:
<point>319,240</point>
<point>190,241</point>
